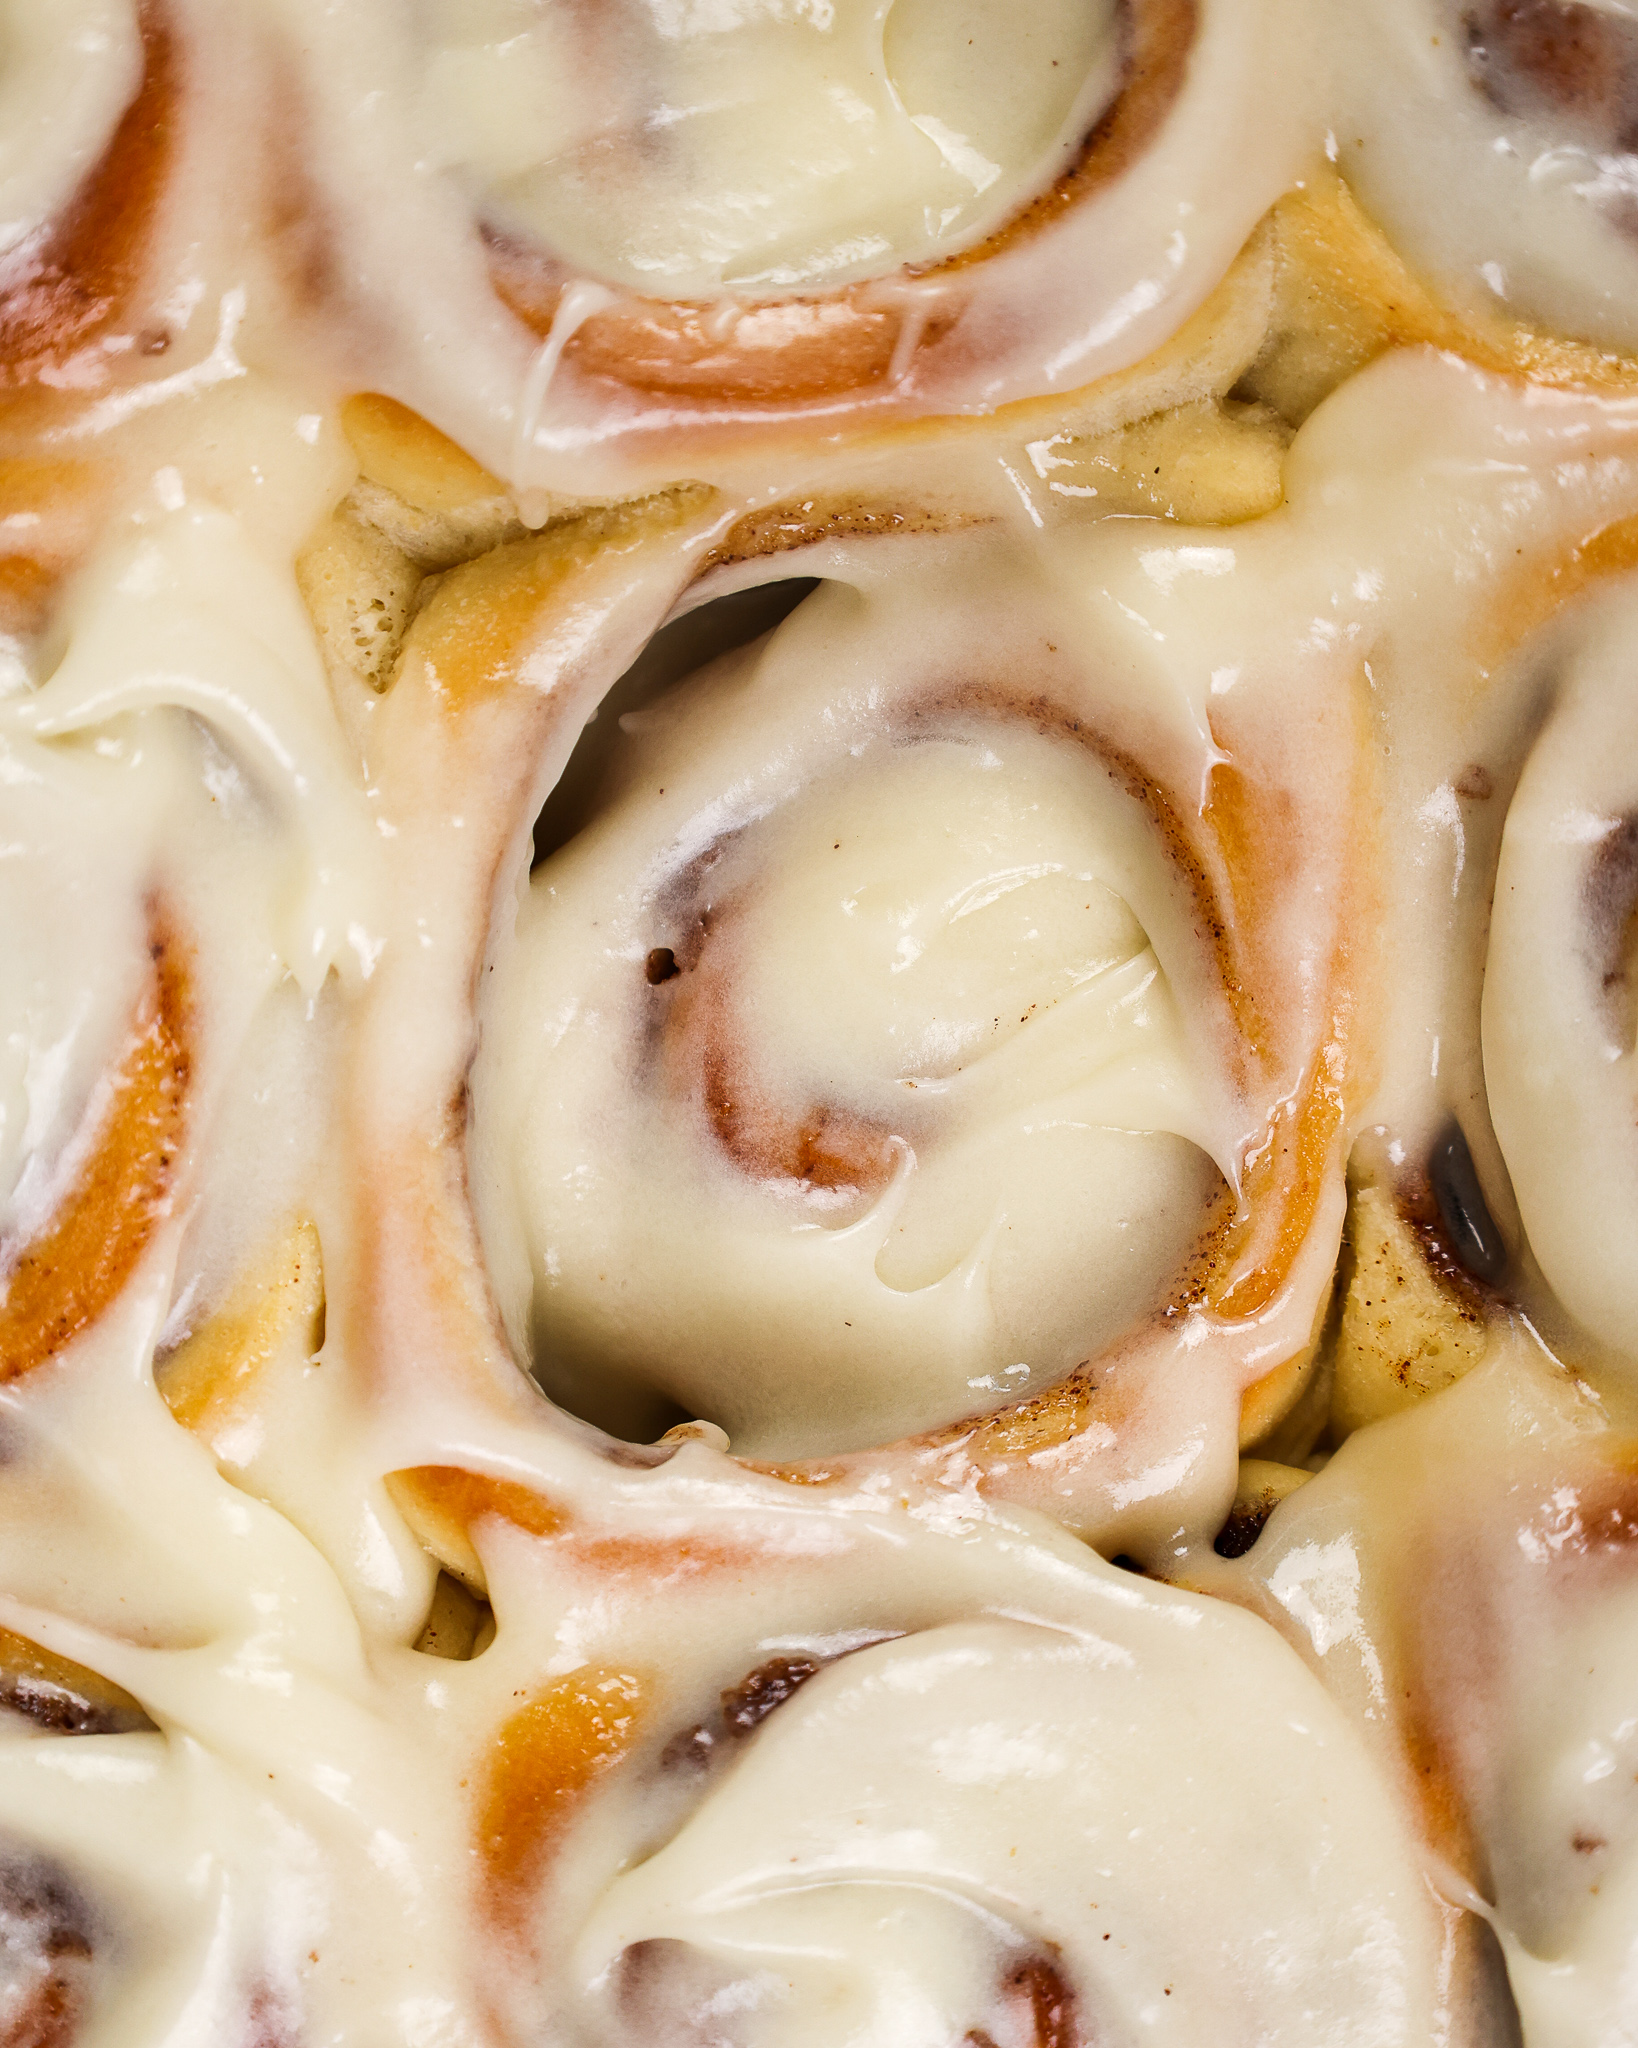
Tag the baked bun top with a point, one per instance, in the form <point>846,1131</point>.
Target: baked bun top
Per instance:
<point>818,1151</point>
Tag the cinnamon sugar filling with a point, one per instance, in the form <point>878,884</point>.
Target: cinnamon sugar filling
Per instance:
<point>66,288</point>
<point>794,349</point>
<point>62,1279</point>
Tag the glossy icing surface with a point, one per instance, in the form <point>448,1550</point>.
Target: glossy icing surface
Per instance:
<point>643,150</point>
<point>656,1159</point>
<point>1160,185</point>
<point>1496,143</point>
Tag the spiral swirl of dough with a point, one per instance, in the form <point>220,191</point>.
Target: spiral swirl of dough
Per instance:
<point>896,979</point>
<point>925,1792</point>
<point>1559,1021</point>
<point>1494,140</point>
<point>674,210</point>
<point>903,1053</point>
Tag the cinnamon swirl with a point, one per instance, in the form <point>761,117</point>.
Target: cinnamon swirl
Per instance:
<point>815,878</point>
<point>676,224</point>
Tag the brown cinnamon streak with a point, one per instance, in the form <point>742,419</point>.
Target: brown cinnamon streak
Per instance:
<point>781,352</point>
<point>64,1278</point>
<point>68,284</point>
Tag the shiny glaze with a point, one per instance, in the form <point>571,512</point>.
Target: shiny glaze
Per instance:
<point>1141,870</point>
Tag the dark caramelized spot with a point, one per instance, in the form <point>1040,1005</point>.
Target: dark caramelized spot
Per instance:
<point>1241,1530</point>
<point>770,1685</point>
<point>1038,1984</point>
<point>744,1708</point>
<point>1469,1228</point>
<point>661,965</point>
<point>1034,1991</point>
<point>65,1698</point>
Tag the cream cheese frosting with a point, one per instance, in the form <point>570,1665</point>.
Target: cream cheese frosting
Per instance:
<point>1495,142</point>
<point>1093,285</point>
<point>1503,1694</point>
<point>879,1865</point>
<point>688,150</point>
<point>727,1110</point>
<point>935,1015</point>
<point>67,75</point>
<point>1130,968</point>
<point>1558,1032</point>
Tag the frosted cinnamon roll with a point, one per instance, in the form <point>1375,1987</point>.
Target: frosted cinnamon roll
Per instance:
<point>1494,139</point>
<point>186,862</point>
<point>1183,716</point>
<point>1558,1017</point>
<point>923,1781</point>
<point>1462,1577</point>
<point>690,221</point>
<point>898,974</point>
<point>89,109</point>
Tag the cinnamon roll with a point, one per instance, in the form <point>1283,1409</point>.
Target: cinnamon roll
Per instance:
<point>1558,1027</point>
<point>1494,141</point>
<point>921,991</point>
<point>1461,1578</point>
<point>874,1818</point>
<point>815,877</point>
<point>728,1159</point>
<point>725,224</point>
<point>802,1779</point>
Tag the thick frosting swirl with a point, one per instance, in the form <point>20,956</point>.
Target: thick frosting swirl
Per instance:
<point>1131,967</point>
<point>901,1036</point>
<point>684,151</point>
